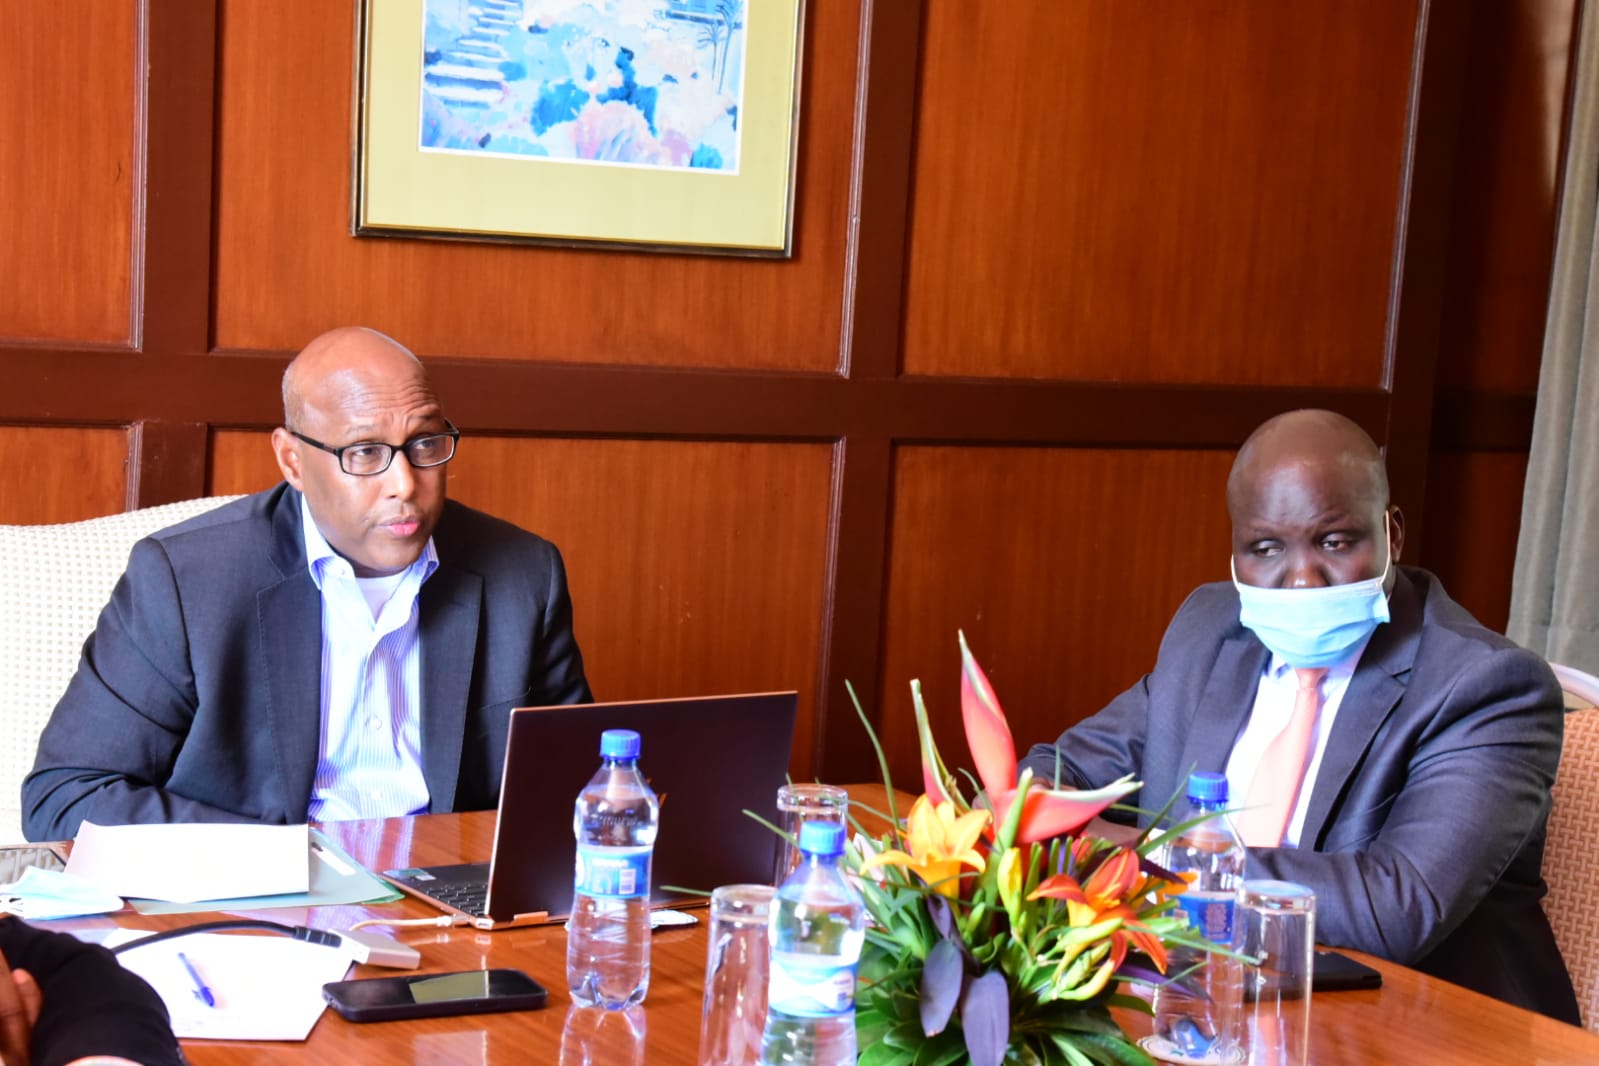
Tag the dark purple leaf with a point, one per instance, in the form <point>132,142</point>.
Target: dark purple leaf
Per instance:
<point>1154,869</point>
<point>985,1018</point>
<point>942,975</point>
<point>1133,970</point>
<point>938,910</point>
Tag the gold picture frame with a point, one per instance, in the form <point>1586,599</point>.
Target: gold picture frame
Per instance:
<point>633,96</point>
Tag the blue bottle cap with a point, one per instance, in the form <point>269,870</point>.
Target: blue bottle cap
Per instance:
<point>1207,788</point>
<point>821,838</point>
<point>619,744</point>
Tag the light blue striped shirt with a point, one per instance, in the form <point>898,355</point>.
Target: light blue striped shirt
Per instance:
<point>369,761</point>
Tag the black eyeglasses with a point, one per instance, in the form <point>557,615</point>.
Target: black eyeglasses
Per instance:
<point>367,458</point>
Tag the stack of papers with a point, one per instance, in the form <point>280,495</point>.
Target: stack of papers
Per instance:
<point>189,867</point>
<point>193,862</point>
<point>262,987</point>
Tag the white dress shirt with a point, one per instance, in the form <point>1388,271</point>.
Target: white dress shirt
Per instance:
<point>1274,705</point>
<point>369,760</point>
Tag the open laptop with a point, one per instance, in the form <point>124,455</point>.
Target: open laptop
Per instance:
<point>707,758</point>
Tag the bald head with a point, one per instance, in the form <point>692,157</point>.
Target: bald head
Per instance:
<point>1307,436</point>
<point>1308,497</point>
<point>341,359</point>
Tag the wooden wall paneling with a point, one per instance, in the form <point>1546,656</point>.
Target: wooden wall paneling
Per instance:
<point>1062,566</point>
<point>695,567</point>
<point>61,473</point>
<point>1501,245</point>
<point>174,261</point>
<point>1469,420</point>
<point>1144,192</point>
<point>855,613</point>
<point>67,170</point>
<point>287,267</point>
<point>240,460</point>
<point>1422,244</point>
<point>885,112</point>
<point>1502,229</point>
<point>1474,508</point>
<point>166,462</point>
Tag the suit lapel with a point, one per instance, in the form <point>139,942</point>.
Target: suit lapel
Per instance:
<point>289,616</point>
<point>1373,693</point>
<point>1223,709</point>
<point>449,607</point>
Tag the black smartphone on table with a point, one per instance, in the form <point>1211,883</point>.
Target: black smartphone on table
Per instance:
<point>1333,972</point>
<point>434,995</point>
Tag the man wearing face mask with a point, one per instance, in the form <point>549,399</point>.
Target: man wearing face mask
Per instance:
<point>1380,745</point>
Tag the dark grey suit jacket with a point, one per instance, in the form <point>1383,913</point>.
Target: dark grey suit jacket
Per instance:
<point>1424,835</point>
<point>198,697</point>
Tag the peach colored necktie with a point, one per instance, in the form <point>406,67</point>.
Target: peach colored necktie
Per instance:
<point>1275,790</point>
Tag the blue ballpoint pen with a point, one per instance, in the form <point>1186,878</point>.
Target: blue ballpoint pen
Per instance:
<point>201,990</point>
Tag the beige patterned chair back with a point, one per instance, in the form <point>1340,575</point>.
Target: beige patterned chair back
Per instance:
<point>57,579</point>
<point>1568,861</point>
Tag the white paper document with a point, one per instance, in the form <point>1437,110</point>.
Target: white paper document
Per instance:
<point>192,861</point>
<point>262,987</point>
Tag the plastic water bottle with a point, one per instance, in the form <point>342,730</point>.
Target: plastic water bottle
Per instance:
<point>608,935</point>
<point>603,1037</point>
<point>818,924</point>
<point>1202,1025</point>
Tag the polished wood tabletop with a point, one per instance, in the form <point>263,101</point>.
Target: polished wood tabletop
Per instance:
<point>1411,1019</point>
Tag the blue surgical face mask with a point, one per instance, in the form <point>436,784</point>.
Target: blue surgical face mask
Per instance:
<point>1315,627</point>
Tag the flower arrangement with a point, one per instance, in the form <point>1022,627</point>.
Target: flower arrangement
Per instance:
<point>1000,931</point>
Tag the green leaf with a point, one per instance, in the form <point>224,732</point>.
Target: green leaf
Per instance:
<point>882,759</point>
<point>871,1025</point>
<point>1067,1047</point>
<point>1118,1050</point>
<point>1067,1017</point>
<point>907,1035</point>
<point>942,1050</point>
<point>1136,1004</point>
<point>883,1055</point>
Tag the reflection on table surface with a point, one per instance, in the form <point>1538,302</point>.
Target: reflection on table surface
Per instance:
<point>1412,1018</point>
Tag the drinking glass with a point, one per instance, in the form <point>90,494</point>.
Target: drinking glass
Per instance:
<point>736,965</point>
<point>804,803</point>
<point>1279,930</point>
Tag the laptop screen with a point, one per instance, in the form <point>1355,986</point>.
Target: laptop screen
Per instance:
<point>708,759</point>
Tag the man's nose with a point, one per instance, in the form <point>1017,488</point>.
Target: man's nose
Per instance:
<point>399,480</point>
<point>1304,572</point>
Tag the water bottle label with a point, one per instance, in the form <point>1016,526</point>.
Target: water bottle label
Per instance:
<point>1210,915</point>
<point>811,986</point>
<point>621,873</point>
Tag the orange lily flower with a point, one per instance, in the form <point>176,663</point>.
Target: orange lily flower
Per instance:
<point>1104,896</point>
<point>941,843</point>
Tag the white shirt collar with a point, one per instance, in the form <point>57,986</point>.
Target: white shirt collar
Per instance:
<point>1277,668</point>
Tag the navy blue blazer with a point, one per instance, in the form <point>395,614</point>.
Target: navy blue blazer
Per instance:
<point>198,696</point>
<point>1424,835</point>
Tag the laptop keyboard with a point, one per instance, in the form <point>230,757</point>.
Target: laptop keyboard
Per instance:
<point>469,897</point>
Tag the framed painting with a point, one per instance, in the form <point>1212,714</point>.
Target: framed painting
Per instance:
<point>659,124</point>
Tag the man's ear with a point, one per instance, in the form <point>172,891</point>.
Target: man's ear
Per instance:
<point>286,449</point>
<point>1396,533</point>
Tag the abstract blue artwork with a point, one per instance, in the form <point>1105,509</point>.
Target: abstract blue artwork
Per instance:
<point>641,83</point>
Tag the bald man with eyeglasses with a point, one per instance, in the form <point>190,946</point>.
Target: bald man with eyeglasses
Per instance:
<point>347,644</point>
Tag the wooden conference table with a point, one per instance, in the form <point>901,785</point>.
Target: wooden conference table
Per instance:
<point>1411,1019</point>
